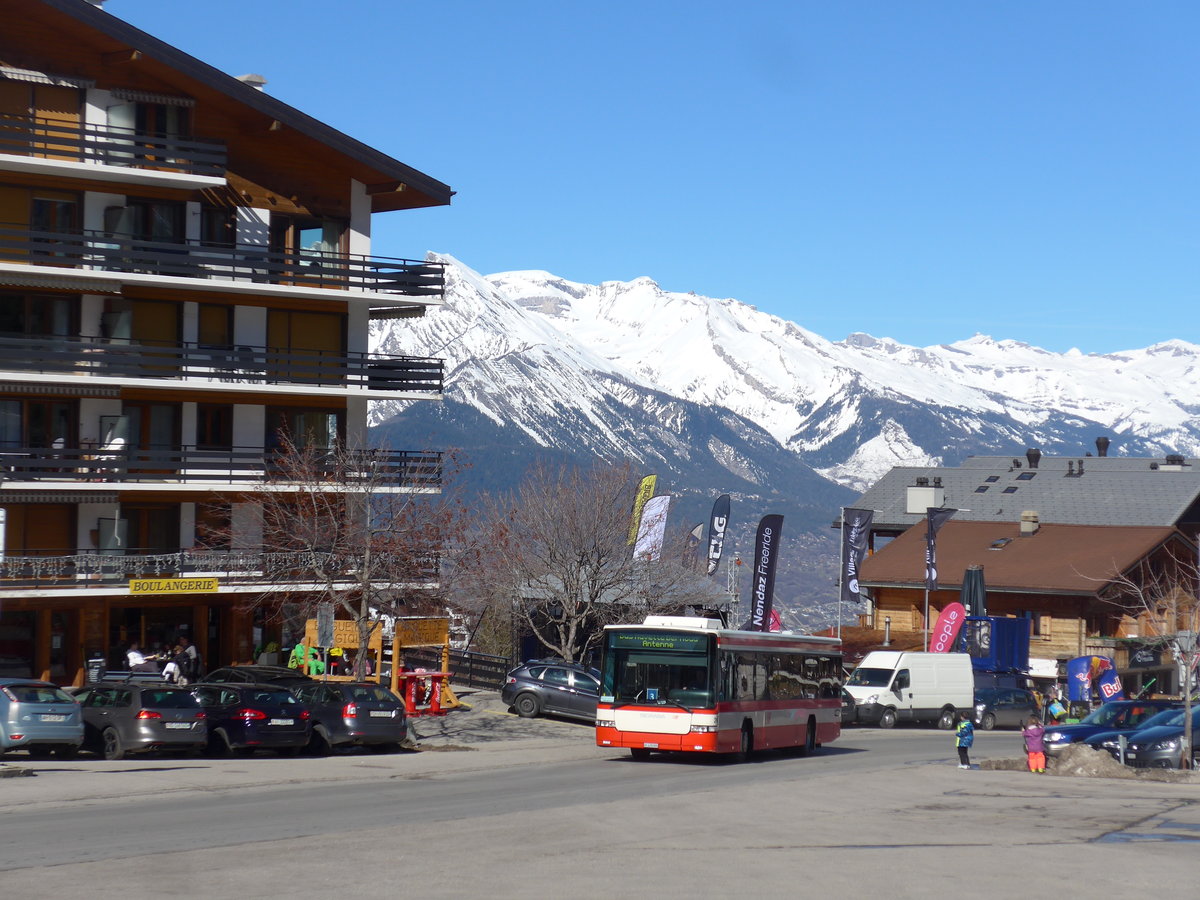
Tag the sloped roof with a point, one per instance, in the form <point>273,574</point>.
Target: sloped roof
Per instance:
<point>1111,491</point>
<point>1058,559</point>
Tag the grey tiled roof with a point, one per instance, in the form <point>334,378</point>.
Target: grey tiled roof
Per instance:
<point>1111,491</point>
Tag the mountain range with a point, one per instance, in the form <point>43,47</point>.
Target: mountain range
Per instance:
<point>716,396</point>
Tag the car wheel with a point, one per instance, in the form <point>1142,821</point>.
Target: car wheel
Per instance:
<point>988,722</point>
<point>113,748</point>
<point>67,752</point>
<point>639,752</point>
<point>318,744</point>
<point>887,719</point>
<point>946,719</point>
<point>287,751</point>
<point>526,705</point>
<point>38,752</point>
<point>218,743</point>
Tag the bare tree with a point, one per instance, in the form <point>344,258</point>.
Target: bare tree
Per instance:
<point>1163,595</point>
<point>553,558</point>
<point>363,530</point>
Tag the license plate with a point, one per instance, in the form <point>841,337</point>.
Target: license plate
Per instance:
<point>650,746</point>
<point>53,718</point>
<point>382,713</point>
<point>1131,754</point>
<point>178,726</point>
<point>282,722</point>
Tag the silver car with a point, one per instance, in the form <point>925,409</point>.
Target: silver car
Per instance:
<point>39,717</point>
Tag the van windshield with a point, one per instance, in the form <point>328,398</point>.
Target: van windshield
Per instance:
<point>869,677</point>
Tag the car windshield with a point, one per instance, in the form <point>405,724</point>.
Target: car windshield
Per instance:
<point>869,677</point>
<point>1119,716</point>
<point>168,699</point>
<point>37,693</point>
<point>372,693</point>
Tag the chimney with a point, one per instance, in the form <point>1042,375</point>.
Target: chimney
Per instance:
<point>921,497</point>
<point>1102,446</point>
<point>1080,472</point>
<point>1033,454</point>
<point>1070,468</point>
<point>1029,523</point>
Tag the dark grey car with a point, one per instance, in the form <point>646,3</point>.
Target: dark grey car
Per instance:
<point>1003,708</point>
<point>558,688</point>
<point>352,713</point>
<point>121,718</point>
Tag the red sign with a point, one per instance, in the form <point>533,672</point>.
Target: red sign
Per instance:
<point>945,630</point>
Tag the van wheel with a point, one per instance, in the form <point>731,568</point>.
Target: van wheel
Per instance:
<point>988,722</point>
<point>113,750</point>
<point>946,719</point>
<point>888,719</point>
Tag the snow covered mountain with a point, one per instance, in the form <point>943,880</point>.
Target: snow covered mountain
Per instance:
<point>722,397</point>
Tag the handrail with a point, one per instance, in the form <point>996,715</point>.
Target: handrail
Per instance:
<point>186,464</point>
<point>234,364</point>
<point>109,252</point>
<point>26,135</point>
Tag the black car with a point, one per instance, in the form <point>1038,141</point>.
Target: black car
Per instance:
<point>243,718</point>
<point>352,713</point>
<point>256,675</point>
<point>1004,707</point>
<point>122,717</point>
<point>849,709</point>
<point>559,688</point>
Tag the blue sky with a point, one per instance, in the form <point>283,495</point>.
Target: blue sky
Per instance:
<point>916,170</point>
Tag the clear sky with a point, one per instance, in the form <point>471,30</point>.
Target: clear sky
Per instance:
<point>916,170</point>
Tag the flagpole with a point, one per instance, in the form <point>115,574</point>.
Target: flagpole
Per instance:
<point>925,629</point>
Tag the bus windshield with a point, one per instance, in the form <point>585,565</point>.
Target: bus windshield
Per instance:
<point>659,668</point>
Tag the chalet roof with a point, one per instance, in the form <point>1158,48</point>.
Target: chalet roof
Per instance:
<point>1057,559</point>
<point>1110,491</point>
<point>93,40</point>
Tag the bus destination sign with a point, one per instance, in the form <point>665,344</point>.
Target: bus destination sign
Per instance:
<point>658,640</point>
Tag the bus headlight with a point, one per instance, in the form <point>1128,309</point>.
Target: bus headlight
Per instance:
<point>703,729</point>
<point>606,723</point>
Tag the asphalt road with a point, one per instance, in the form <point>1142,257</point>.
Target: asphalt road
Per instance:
<point>533,809</point>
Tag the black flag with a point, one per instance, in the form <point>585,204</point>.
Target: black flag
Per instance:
<point>766,553</point>
<point>716,532</point>
<point>935,518</point>
<point>856,526</point>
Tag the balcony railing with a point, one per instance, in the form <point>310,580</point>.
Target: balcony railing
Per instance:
<point>101,251</point>
<point>229,566</point>
<point>227,365</point>
<point>48,139</point>
<point>239,465</point>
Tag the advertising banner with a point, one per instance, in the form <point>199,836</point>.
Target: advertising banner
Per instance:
<point>856,526</point>
<point>654,524</point>
<point>934,520</point>
<point>766,556</point>
<point>945,630</point>
<point>1093,678</point>
<point>644,492</point>
<point>717,523</point>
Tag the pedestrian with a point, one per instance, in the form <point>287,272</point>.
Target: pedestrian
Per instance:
<point>190,667</point>
<point>1035,745</point>
<point>964,737</point>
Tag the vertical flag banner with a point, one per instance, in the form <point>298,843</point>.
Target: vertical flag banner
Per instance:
<point>653,526</point>
<point>716,532</point>
<point>691,553</point>
<point>934,519</point>
<point>644,492</point>
<point>856,526</point>
<point>766,555</point>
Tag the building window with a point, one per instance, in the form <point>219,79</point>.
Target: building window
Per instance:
<point>214,426</point>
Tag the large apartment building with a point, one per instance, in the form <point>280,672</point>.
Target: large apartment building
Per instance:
<point>186,275</point>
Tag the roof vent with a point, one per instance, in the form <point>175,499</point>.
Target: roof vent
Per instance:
<point>922,482</point>
<point>1016,464</point>
<point>1102,446</point>
<point>1174,459</point>
<point>258,82</point>
<point>1029,523</point>
<point>1033,454</point>
<point>937,482</point>
<point>1080,472</point>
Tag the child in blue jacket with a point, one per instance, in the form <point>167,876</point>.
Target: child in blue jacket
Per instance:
<point>964,737</point>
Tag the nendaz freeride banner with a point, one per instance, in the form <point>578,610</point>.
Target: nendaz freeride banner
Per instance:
<point>766,554</point>
<point>644,492</point>
<point>716,532</point>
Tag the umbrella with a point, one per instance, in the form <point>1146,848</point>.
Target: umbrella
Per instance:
<point>974,593</point>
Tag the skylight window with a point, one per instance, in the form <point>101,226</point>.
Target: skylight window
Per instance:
<point>1011,489</point>
<point>1000,544</point>
<point>982,489</point>
<point>1027,476</point>
<point>992,478</point>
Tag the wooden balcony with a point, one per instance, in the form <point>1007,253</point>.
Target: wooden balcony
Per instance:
<point>227,366</point>
<point>59,467</point>
<point>99,251</point>
<point>100,145</point>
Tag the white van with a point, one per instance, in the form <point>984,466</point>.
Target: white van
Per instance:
<point>890,687</point>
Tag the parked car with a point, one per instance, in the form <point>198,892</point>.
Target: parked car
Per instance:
<point>122,717</point>
<point>243,718</point>
<point>352,713</point>
<point>1003,707</point>
<point>849,709</point>
<point>1110,740</point>
<point>559,688</point>
<point>1116,715</point>
<point>1161,746</point>
<point>39,717</point>
<point>255,675</point>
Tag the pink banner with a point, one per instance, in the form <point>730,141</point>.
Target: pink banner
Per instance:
<point>946,629</point>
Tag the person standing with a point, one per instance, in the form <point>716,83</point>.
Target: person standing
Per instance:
<point>190,668</point>
<point>964,737</point>
<point>1035,745</point>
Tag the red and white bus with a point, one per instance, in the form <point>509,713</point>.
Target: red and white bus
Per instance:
<point>685,684</point>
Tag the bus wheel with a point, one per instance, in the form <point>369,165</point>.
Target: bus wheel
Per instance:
<point>946,720</point>
<point>810,738</point>
<point>888,719</point>
<point>746,747</point>
<point>639,752</point>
